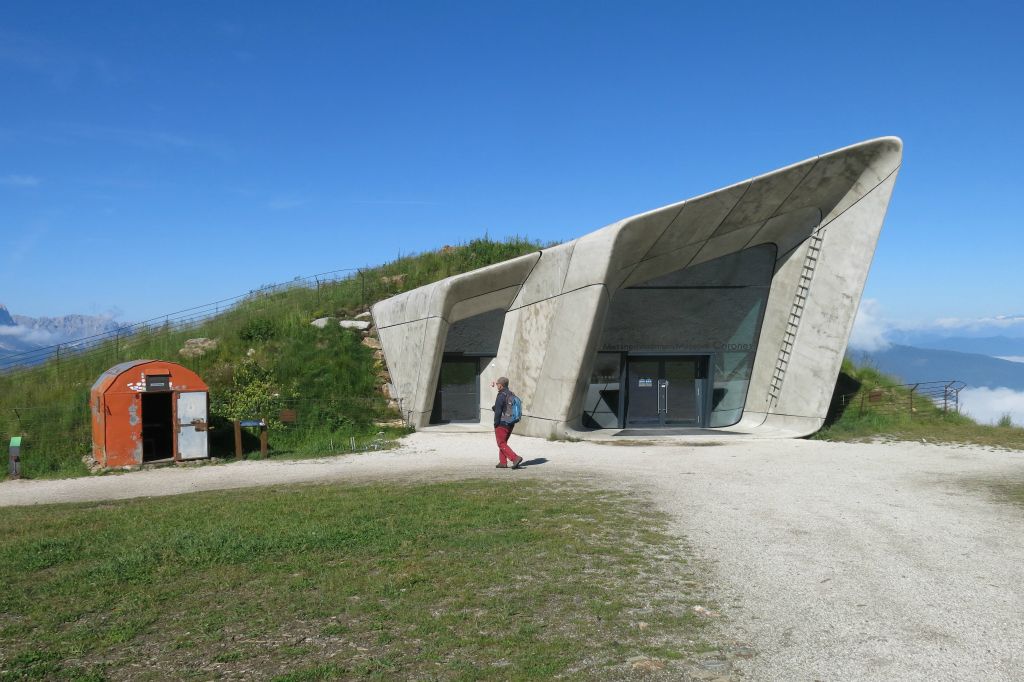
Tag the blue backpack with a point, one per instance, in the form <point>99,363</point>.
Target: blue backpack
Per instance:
<point>513,411</point>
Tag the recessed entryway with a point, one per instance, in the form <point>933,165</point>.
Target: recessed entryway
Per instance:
<point>666,391</point>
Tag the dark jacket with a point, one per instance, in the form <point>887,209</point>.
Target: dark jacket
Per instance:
<point>499,406</point>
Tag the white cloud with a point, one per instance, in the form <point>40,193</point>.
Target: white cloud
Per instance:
<point>870,329</point>
<point>987,405</point>
<point>976,323</point>
<point>1011,358</point>
<point>29,335</point>
<point>20,181</point>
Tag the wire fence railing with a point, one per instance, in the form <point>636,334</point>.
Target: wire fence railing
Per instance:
<point>906,398</point>
<point>370,283</point>
<point>26,361</point>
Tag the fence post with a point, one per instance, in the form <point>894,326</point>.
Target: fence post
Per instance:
<point>238,438</point>
<point>912,389</point>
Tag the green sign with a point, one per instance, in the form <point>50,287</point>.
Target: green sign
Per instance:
<point>16,442</point>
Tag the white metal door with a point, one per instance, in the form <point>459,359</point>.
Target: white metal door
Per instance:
<point>192,434</point>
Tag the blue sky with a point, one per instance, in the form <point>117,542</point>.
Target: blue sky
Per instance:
<point>155,156</point>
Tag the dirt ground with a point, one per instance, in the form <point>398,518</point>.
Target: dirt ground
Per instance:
<point>831,561</point>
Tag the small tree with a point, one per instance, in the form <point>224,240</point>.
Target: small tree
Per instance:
<point>253,393</point>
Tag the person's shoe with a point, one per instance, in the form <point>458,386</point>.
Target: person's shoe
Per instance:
<point>501,466</point>
<point>516,464</point>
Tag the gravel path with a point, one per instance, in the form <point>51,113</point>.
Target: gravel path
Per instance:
<point>833,561</point>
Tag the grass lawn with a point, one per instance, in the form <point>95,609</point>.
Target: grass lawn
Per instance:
<point>469,580</point>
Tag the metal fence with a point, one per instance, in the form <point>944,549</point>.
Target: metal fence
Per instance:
<point>906,398</point>
<point>26,361</point>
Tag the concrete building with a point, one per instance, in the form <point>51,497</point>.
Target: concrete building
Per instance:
<point>729,311</point>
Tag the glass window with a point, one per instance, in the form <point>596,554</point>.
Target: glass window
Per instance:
<point>458,391</point>
<point>601,404</point>
<point>479,334</point>
<point>712,309</point>
<point>468,348</point>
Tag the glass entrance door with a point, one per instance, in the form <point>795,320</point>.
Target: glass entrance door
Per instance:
<point>458,391</point>
<point>667,391</point>
<point>644,397</point>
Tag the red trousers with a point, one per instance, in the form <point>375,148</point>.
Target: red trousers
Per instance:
<point>505,453</point>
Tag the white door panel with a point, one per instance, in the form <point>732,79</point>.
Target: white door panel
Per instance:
<point>193,442</point>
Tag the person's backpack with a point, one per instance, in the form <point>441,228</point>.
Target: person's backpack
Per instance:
<point>513,411</point>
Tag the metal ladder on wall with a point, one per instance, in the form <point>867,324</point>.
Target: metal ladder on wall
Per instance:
<point>796,312</point>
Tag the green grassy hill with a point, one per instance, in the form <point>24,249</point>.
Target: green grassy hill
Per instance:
<point>868,404</point>
<point>267,357</point>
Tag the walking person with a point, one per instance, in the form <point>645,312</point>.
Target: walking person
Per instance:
<point>504,422</point>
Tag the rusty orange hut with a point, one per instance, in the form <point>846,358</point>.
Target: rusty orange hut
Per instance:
<point>146,411</point>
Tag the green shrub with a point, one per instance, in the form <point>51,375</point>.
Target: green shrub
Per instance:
<point>257,330</point>
<point>254,393</point>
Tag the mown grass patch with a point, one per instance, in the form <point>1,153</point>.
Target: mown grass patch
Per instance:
<point>470,580</point>
<point>858,420</point>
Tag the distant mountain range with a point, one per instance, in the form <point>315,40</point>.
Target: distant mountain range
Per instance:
<point>913,364</point>
<point>19,333</point>
<point>983,345</point>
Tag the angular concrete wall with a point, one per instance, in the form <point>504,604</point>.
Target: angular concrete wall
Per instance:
<point>824,216</point>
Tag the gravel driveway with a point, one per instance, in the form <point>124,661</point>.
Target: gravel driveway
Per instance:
<point>833,561</point>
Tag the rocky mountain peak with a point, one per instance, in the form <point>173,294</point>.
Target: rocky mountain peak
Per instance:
<point>20,333</point>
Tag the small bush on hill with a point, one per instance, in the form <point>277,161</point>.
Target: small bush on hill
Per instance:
<point>257,330</point>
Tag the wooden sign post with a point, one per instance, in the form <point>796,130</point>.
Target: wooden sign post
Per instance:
<point>259,423</point>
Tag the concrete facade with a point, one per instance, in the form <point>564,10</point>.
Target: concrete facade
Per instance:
<point>755,285</point>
